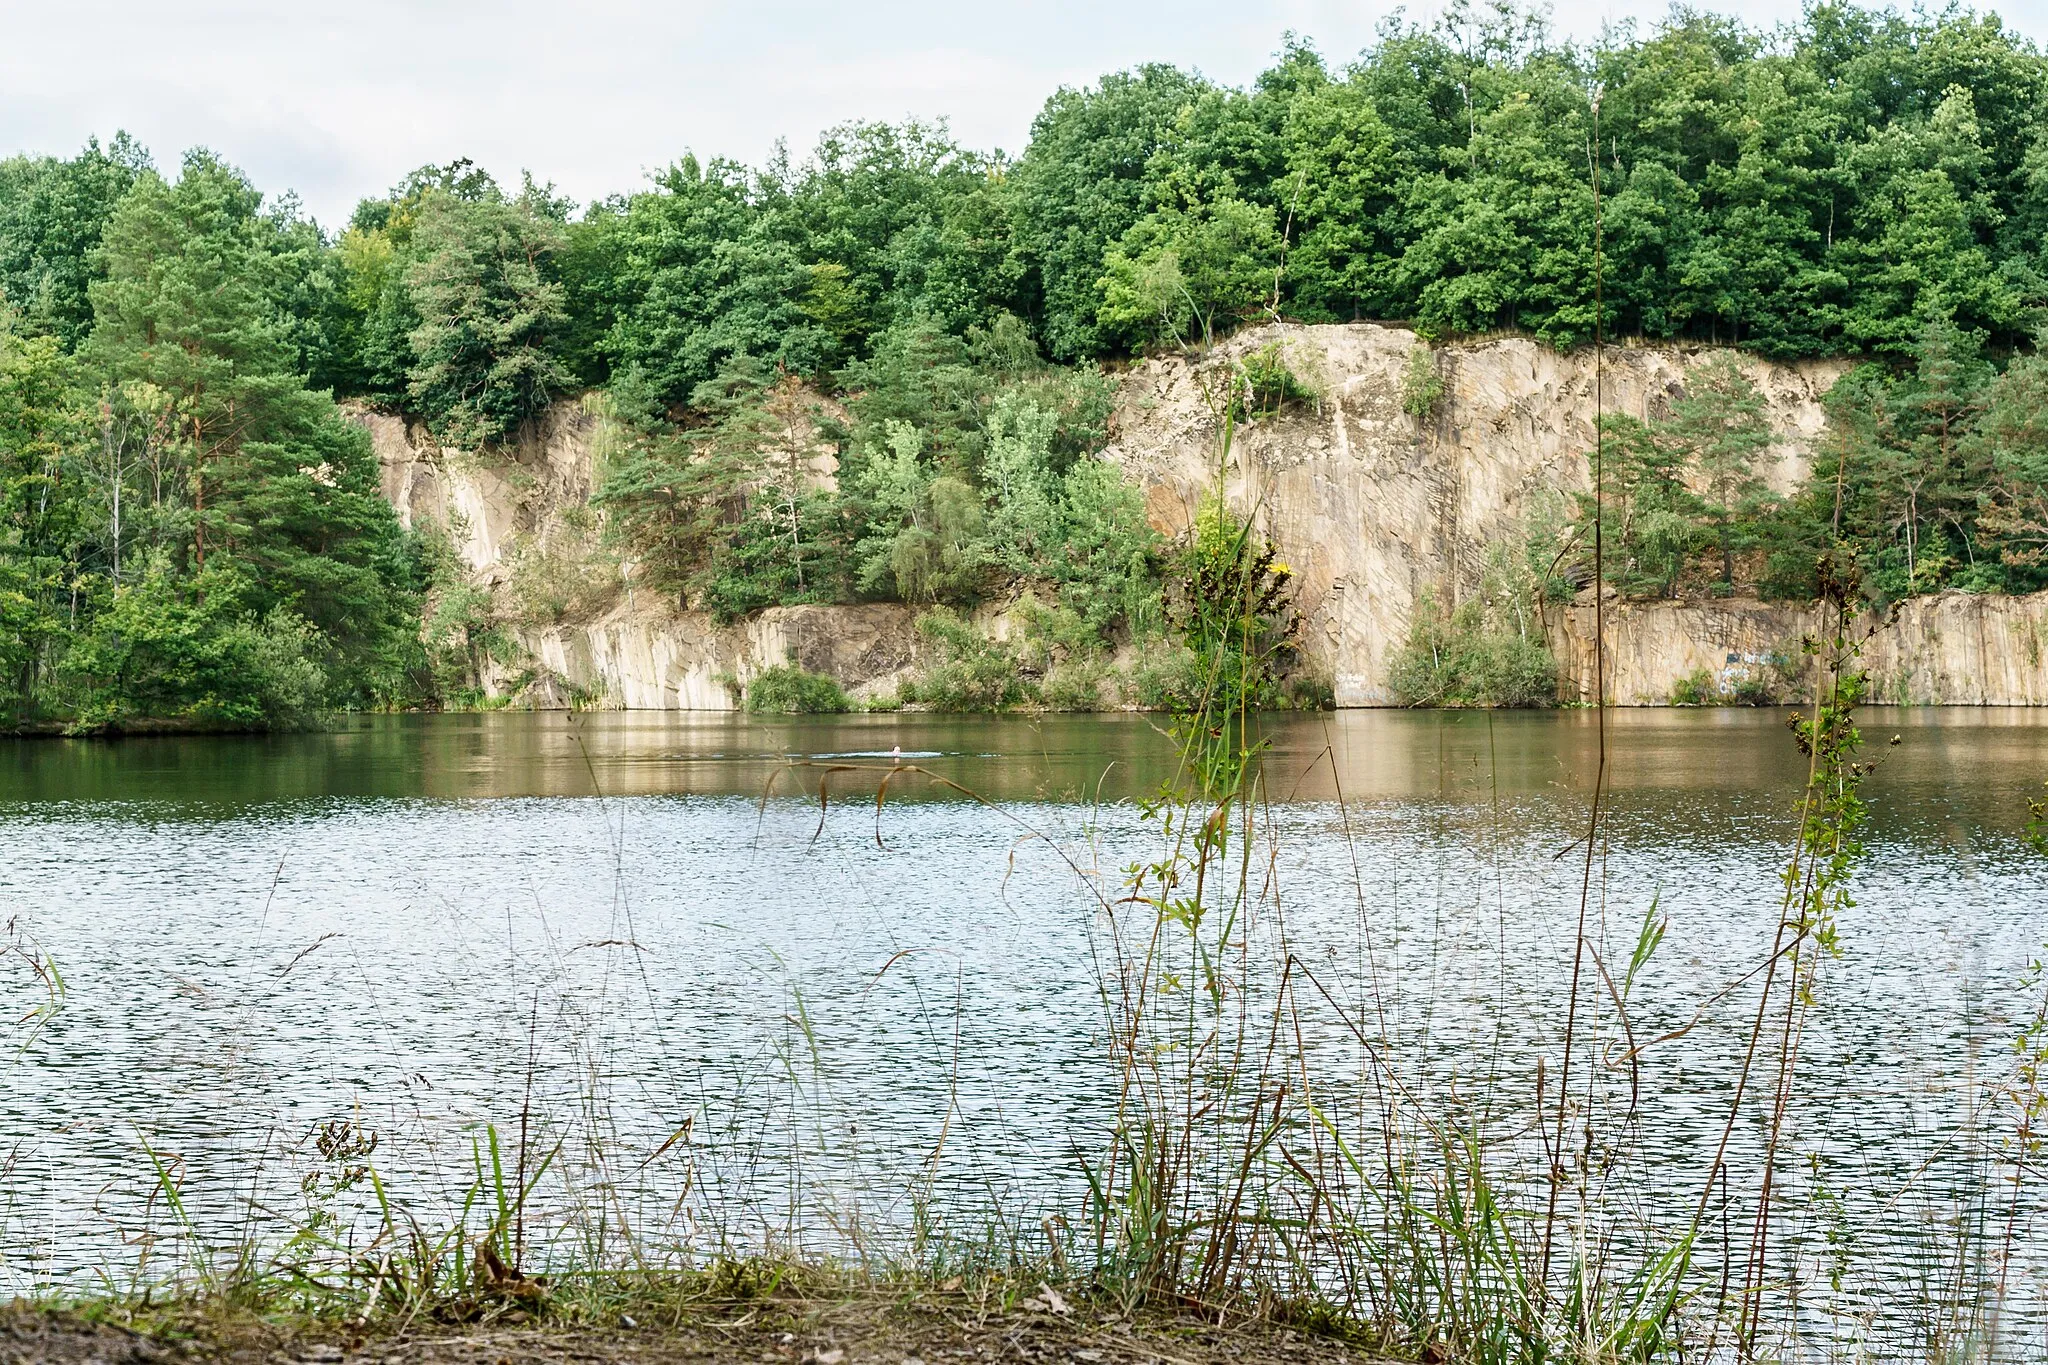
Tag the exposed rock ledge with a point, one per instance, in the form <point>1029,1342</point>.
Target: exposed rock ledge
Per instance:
<point>1954,648</point>
<point>685,661</point>
<point>1957,649</point>
<point>1372,508</point>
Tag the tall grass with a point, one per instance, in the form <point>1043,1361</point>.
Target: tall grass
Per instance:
<point>1483,1226</point>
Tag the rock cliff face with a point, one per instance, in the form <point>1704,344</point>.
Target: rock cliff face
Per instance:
<point>1373,507</point>
<point>617,647</point>
<point>1954,648</point>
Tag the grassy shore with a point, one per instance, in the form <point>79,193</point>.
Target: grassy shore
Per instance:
<point>751,1311</point>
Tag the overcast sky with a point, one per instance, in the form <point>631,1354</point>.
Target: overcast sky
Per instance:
<point>339,101</point>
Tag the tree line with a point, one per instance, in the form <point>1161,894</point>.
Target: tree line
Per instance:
<point>192,528</point>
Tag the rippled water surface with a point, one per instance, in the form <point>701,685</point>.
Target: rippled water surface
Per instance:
<point>614,924</point>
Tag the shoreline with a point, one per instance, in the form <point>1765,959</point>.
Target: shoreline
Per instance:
<point>175,728</point>
<point>797,1314</point>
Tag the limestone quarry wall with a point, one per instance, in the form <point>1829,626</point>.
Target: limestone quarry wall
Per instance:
<point>638,651</point>
<point>1372,508</point>
<point>1953,648</point>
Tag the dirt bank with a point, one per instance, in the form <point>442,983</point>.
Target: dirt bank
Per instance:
<point>892,1330</point>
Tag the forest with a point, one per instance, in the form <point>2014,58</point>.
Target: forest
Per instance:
<point>191,529</point>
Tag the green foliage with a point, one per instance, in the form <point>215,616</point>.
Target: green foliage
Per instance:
<point>1697,688</point>
<point>41,449</point>
<point>163,648</point>
<point>1688,485</point>
<point>2009,445</point>
<point>1265,385</point>
<point>1722,427</point>
<point>564,577</point>
<point>274,476</point>
<point>1307,690</point>
<point>1932,475</point>
<point>692,274</point>
<point>1734,687</point>
<point>212,528</point>
<point>462,636</point>
<point>787,689</point>
<point>1470,657</point>
<point>491,317</point>
<point>731,516</point>
<point>1168,676</point>
<point>1083,183</point>
<point>801,266</point>
<point>1489,650</point>
<point>1650,519</point>
<point>1083,531</point>
<point>52,216</point>
<point>1422,388</point>
<point>1835,186</point>
<point>971,672</point>
<point>1184,269</point>
<point>1834,189</point>
<point>833,371</point>
<point>1075,685</point>
<point>931,544</point>
<point>1229,598</point>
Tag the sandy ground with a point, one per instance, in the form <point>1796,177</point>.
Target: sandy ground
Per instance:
<point>834,1333</point>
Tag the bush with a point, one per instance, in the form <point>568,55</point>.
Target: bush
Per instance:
<point>1308,691</point>
<point>789,690</point>
<point>1422,388</point>
<point>567,577</point>
<point>1074,686</point>
<point>973,672</point>
<point>1744,687</point>
<point>1463,660</point>
<point>1266,386</point>
<point>168,650</point>
<point>1232,600</point>
<point>1167,677</point>
<point>1696,688</point>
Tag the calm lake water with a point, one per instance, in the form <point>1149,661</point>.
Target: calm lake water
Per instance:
<point>423,925</point>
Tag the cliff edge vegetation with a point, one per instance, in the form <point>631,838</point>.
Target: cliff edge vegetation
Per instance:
<point>882,373</point>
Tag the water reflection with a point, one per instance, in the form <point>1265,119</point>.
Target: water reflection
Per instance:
<point>1969,765</point>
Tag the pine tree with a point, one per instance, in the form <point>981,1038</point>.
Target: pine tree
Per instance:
<point>1723,429</point>
<point>492,315</point>
<point>281,493</point>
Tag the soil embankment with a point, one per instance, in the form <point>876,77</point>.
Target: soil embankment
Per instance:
<point>878,1330</point>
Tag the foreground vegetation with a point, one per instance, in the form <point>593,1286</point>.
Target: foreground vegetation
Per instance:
<point>191,529</point>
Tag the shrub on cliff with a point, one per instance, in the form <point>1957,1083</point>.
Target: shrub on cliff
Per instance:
<point>1266,385</point>
<point>1461,658</point>
<point>971,672</point>
<point>790,690</point>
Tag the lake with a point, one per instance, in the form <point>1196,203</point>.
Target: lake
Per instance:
<point>640,936</point>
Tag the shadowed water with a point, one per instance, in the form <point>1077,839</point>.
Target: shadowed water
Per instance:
<point>880,1020</point>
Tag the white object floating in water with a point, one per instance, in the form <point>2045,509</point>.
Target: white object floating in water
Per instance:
<point>898,753</point>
